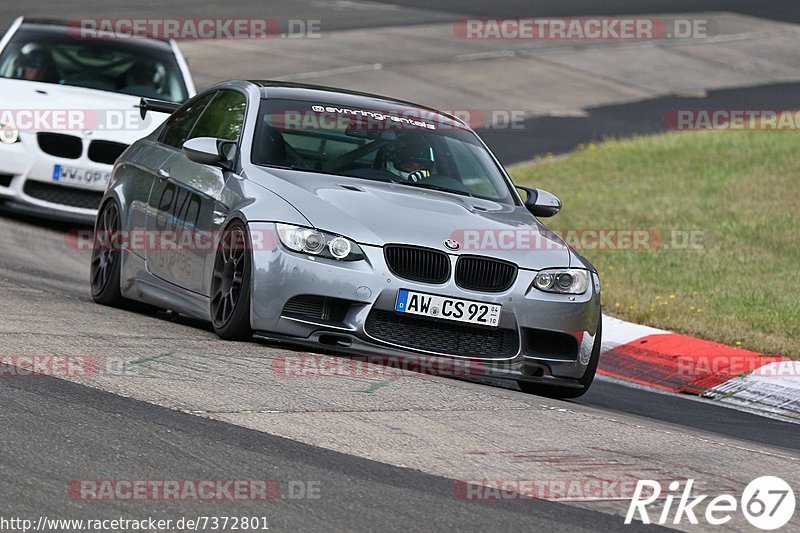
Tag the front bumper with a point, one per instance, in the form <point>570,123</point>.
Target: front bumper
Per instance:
<point>26,180</point>
<point>535,318</point>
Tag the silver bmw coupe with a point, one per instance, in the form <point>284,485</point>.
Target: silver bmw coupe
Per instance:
<point>346,222</point>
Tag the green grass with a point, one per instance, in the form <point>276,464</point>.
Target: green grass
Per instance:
<point>741,189</point>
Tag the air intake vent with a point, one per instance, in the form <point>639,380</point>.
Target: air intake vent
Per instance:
<point>58,194</point>
<point>484,274</point>
<point>317,308</point>
<point>106,152</point>
<point>551,345</point>
<point>5,179</point>
<point>60,145</point>
<point>442,337</point>
<point>418,264</point>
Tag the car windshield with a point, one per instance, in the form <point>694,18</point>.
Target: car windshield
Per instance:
<point>385,142</point>
<point>128,66</point>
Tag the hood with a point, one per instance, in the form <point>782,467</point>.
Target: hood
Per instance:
<point>108,115</point>
<point>377,213</point>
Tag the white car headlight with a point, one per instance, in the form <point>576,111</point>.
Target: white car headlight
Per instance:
<point>562,280</point>
<point>320,243</point>
<point>8,135</point>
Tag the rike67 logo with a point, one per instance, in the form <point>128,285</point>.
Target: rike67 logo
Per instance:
<point>767,503</point>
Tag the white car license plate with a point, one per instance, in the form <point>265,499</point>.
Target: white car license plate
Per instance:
<point>81,177</point>
<point>417,303</point>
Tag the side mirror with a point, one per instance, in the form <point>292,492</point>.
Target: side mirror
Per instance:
<point>210,151</point>
<point>540,202</point>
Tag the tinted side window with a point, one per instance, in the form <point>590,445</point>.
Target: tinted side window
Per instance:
<point>181,123</point>
<point>223,118</point>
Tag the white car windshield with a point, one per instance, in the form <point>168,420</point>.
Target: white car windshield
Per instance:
<point>129,66</point>
<point>391,143</point>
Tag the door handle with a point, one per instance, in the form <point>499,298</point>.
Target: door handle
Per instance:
<point>219,217</point>
<point>163,174</point>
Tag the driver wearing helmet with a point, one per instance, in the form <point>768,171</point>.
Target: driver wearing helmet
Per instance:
<point>411,158</point>
<point>34,65</point>
<point>144,79</point>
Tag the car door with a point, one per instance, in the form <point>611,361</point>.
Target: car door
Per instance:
<point>164,260</point>
<point>138,171</point>
<point>184,200</point>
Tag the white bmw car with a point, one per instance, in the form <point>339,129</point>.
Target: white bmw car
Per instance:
<point>68,111</point>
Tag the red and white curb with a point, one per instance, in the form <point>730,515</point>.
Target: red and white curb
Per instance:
<point>678,363</point>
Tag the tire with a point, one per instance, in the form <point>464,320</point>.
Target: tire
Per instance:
<point>106,258</point>
<point>229,305</point>
<point>586,380</point>
<point>106,265</point>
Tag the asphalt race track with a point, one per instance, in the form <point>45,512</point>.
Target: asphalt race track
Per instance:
<point>64,427</point>
<point>169,400</point>
<point>382,450</point>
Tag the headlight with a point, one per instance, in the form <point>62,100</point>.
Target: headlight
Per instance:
<point>562,280</point>
<point>314,242</point>
<point>8,135</point>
